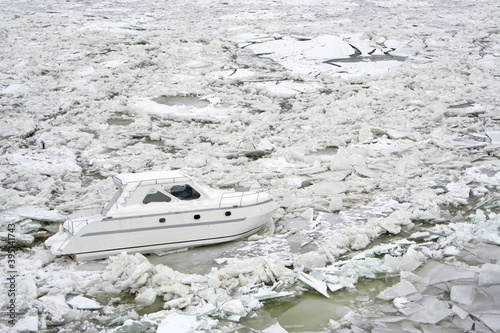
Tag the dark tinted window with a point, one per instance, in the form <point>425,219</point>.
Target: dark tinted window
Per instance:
<point>156,196</point>
<point>183,192</point>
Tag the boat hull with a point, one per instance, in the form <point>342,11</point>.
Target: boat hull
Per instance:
<point>163,231</point>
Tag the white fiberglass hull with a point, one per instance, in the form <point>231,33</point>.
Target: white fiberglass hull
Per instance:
<point>161,231</point>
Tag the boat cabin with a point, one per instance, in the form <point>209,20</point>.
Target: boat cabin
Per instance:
<point>149,189</point>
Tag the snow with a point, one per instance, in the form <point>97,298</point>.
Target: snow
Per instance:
<point>375,124</point>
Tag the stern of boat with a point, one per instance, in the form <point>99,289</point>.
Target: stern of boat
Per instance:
<point>63,242</point>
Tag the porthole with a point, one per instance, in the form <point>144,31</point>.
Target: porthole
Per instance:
<point>228,213</point>
<point>197,217</point>
<point>162,220</point>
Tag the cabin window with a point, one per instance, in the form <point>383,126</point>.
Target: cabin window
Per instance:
<point>156,196</point>
<point>183,192</point>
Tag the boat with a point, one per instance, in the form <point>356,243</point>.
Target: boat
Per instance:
<point>159,211</point>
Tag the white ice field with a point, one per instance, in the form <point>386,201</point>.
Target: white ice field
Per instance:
<point>375,124</point>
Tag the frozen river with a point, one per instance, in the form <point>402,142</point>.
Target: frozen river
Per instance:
<point>374,123</point>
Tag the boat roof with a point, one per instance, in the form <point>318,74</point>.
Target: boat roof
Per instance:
<point>153,177</point>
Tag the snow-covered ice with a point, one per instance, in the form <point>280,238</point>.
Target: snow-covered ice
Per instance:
<point>374,123</point>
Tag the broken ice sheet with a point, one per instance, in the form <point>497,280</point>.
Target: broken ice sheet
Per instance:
<point>436,272</point>
<point>433,311</point>
<point>406,307</point>
<point>489,275</point>
<point>343,55</point>
<point>315,284</point>
<point>276,328</point>
<point>400,289</point>
<point>463,294</point>
<point>266,294</point>
<point>494,136</point>
<point>459,311</point>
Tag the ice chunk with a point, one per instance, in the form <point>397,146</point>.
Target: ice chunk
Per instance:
<point>203,310</point>
<point>27,292</point>
<point>336,203</point>
<point>15,90</point>
<point>311,260</point>
<point>443,273</point>
<point>450,251</point>
<point>308,214</point>
<point>28,323</point>
<point>358,241</point>
<point>365,134</point>
<point>393,222</point>
<point>400,289</point>
<point>56,307</point>
<point>54,300</point>
<point>41,214</point>
<point>433,311</point>
<point>315,284</point>
<point>131,326</point>
<point>178,323</point>
<point>329,188</point>
<point>265,294</point>
<point>491,320</point>
<point>397,135</point>
<point>81,302</point>
<point>276,328</point>
<point>465,325</point>
<point>333,287</point>
<point>19,239</point>
<point>489,275</point>
<point>366,172</point>
<point>146,296</point>
<point>419,235</point>
<point>494,293</point>
<point>458,190</point>
<point>494,136</point>
<point>410,261</point>
<point>406,307</point>
<point>234,307</point>
<point>459,311</point>
<point>463,294</point>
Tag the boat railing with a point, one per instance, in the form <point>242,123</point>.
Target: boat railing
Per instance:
<point>81,218</point>
<point>245,197</point>
<point>156,181</point>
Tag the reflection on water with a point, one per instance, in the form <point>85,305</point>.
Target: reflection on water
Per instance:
<point>120,121</point>
<point>198,260</point>
<point>181,101</point>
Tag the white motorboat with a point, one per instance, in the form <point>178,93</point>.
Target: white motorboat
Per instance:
<point>158,211</point>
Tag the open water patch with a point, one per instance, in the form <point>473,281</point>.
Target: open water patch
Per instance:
<point>188,101</point>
